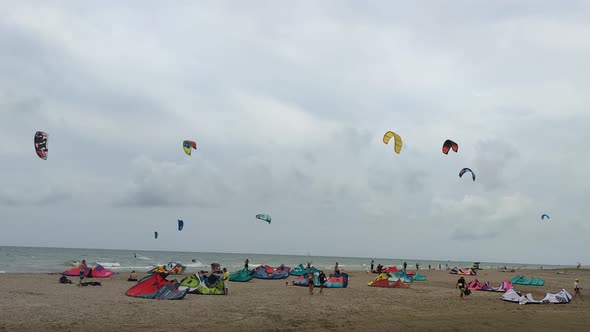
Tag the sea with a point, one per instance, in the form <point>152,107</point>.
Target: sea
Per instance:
<point>57,260</point>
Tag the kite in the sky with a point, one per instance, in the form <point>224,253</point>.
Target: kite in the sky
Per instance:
<point>156,235</point>
<point>448,144</point>
<point>187,145</point>
<point>398,140</point>
<point>41,144</point>
<point>467,170</point>
<point>264,217</point>
<point>544,215</point>
<point>180,224</point>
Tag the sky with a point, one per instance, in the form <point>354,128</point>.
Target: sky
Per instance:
<point>288,103</point>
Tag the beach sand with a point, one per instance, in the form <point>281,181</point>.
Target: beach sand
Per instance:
<point>36,302</point>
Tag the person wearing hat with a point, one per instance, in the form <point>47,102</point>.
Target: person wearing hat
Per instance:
<point>577,289</point>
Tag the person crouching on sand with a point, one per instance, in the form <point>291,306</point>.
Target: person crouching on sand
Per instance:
<point>577,289</point>
<point>132,276</point>
<point>461,284</point>
<point>310,282</point>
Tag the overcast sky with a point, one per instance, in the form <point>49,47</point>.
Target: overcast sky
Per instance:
<point>288,103</point>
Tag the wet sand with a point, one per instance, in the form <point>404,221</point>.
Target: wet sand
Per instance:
<point>36,302</point>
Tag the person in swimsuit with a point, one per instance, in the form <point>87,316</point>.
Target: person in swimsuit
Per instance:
<point>322,278</point>
<point>83,269</point>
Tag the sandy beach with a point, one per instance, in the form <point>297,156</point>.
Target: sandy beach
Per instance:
<point>36,302</point>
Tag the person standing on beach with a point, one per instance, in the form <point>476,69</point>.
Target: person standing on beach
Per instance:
<point>83,270</point>
<point>226,281</point>
<point>310,283</point>
<point>322,278</point>
<point>336,269</point>
<point>577,289</point>
<point>372,265</point>
<point>461,284</point>
<point>246,263</point>
<point>405,265</point>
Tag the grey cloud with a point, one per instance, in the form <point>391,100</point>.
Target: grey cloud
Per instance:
<point>287,104</point>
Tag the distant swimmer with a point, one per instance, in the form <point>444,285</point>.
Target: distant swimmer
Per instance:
<point>194,260</point>
<point>135,255</point>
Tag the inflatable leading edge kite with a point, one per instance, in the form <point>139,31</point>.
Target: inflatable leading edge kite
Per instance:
<point>398,140</point>
<point>187,145</point>
<point>41,144</point>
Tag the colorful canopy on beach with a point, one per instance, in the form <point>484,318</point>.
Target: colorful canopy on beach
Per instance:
<point>268,272</point>
<point>382,280</point>
<point>503,287</point>
<point>300,270</point>
<point>98,272</point>
<point>156,287</point>
<point>203,284</point>
<point>516,297</point>
<point>521,280</point>
<point>241,276</point>
<point>170,268</point>
<point>339,280</point>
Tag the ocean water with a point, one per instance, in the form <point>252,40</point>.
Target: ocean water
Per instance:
<point>35,259</point>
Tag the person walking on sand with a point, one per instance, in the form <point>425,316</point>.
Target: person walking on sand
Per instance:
<point>577,289</point>
<point>461,284</point>
<point>322,278</point>
<point>310,283</point>
<point>83,270</point>
<point>225,281</point>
